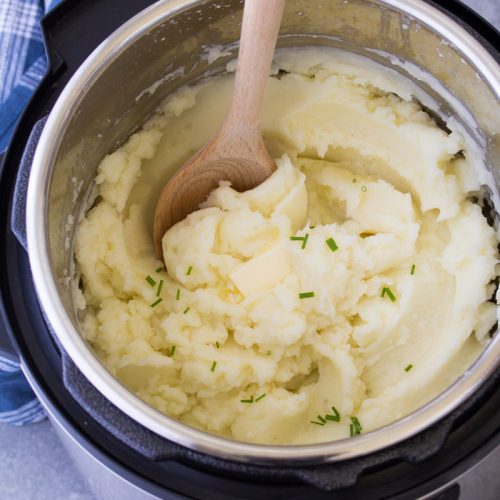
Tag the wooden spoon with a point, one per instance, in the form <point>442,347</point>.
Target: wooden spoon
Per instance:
<point>237,152</point>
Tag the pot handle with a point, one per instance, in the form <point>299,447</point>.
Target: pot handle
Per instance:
<point>18,216</point>
<point>7,350</point>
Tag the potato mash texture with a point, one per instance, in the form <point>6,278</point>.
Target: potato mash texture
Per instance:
<point>343,293</point>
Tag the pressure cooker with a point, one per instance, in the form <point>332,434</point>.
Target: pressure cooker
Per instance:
<point>110,65</point>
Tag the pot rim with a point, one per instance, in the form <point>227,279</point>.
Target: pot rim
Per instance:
<point>123,398</point>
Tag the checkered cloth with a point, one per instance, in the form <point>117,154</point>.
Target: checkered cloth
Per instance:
<point>22,66</point>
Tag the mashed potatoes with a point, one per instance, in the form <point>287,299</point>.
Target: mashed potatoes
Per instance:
<point>340,295</point>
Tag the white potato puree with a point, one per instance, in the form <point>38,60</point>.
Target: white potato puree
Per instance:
<point>396,268</point>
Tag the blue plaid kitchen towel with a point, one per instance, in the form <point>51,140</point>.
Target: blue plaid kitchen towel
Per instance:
<point>22,66</point>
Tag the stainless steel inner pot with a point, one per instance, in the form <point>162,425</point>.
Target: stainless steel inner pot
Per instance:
<point>127,77</point>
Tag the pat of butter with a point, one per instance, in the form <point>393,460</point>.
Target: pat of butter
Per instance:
<point>265,270</point>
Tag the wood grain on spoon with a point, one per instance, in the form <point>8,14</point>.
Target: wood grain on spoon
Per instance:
<point>237,152</point>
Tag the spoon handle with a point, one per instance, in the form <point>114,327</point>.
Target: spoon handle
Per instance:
<point>259,32</point>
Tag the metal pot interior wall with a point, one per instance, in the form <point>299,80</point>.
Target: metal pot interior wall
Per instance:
<point>123,88</point>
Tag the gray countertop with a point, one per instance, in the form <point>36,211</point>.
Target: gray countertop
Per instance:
<point>489,9</point>
<point>34,465</point>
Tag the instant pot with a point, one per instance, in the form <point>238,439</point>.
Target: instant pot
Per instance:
<point>84,108</point>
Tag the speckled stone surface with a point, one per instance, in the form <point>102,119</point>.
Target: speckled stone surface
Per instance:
<point>489,9</point>
<point>35,466</point>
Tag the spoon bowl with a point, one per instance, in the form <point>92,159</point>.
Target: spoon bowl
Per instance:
<point>237,153</point>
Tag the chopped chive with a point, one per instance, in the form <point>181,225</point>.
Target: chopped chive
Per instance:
<point>364,188</point>
<point>356,425</point>
<point>317,423</point>
<point>412,269</point>
<point>159,270</point>
<point>306,295</point>
<point>212,368</point>
<point>172,352</point>
<point>304,243</point>
<point>262,396</point>
<point>387,291</point>
<point>190,269</point>
<point>269,353</point>
<point>217,345</point>
<point>301,238</point>
<point>178,294</point>
<point>331,244</point>
<point>247,400</point>
<point>156,302</point>
<point>332,418</point>
<point>150,280</point>
<point>160,286</point>
<point>312,227</point>
<point>335,417</point>
<point>354,180</point>
<point>351,430</point>
<point>408,368</point>
<point>355,422</point>
<point>186,310</point>
<point>321,419</point>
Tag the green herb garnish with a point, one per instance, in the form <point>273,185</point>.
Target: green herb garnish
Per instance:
<point>306,295</point>
<point>156,302</point>
<point>408,368</point>
<point>178,294</point>
<point>335,417</point>
<point>150,280</point>
<point>269,353</point>
<point>212,368</point>
<point>412,272</point>
<point>355,427</point>
<point>217,345</point>
<point>354,180</point>
<point>301,238</point>
<point>304,242</point>
<point>160,286</point>
<point>186,310</point>
<point>387,291</point>
<point>252,400</point>
<point>317,423</point>
<point>172,352</point>
<point>189,271</point>
<point>356,423</point>
<point>159,270</point>
<point>331,244</point>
